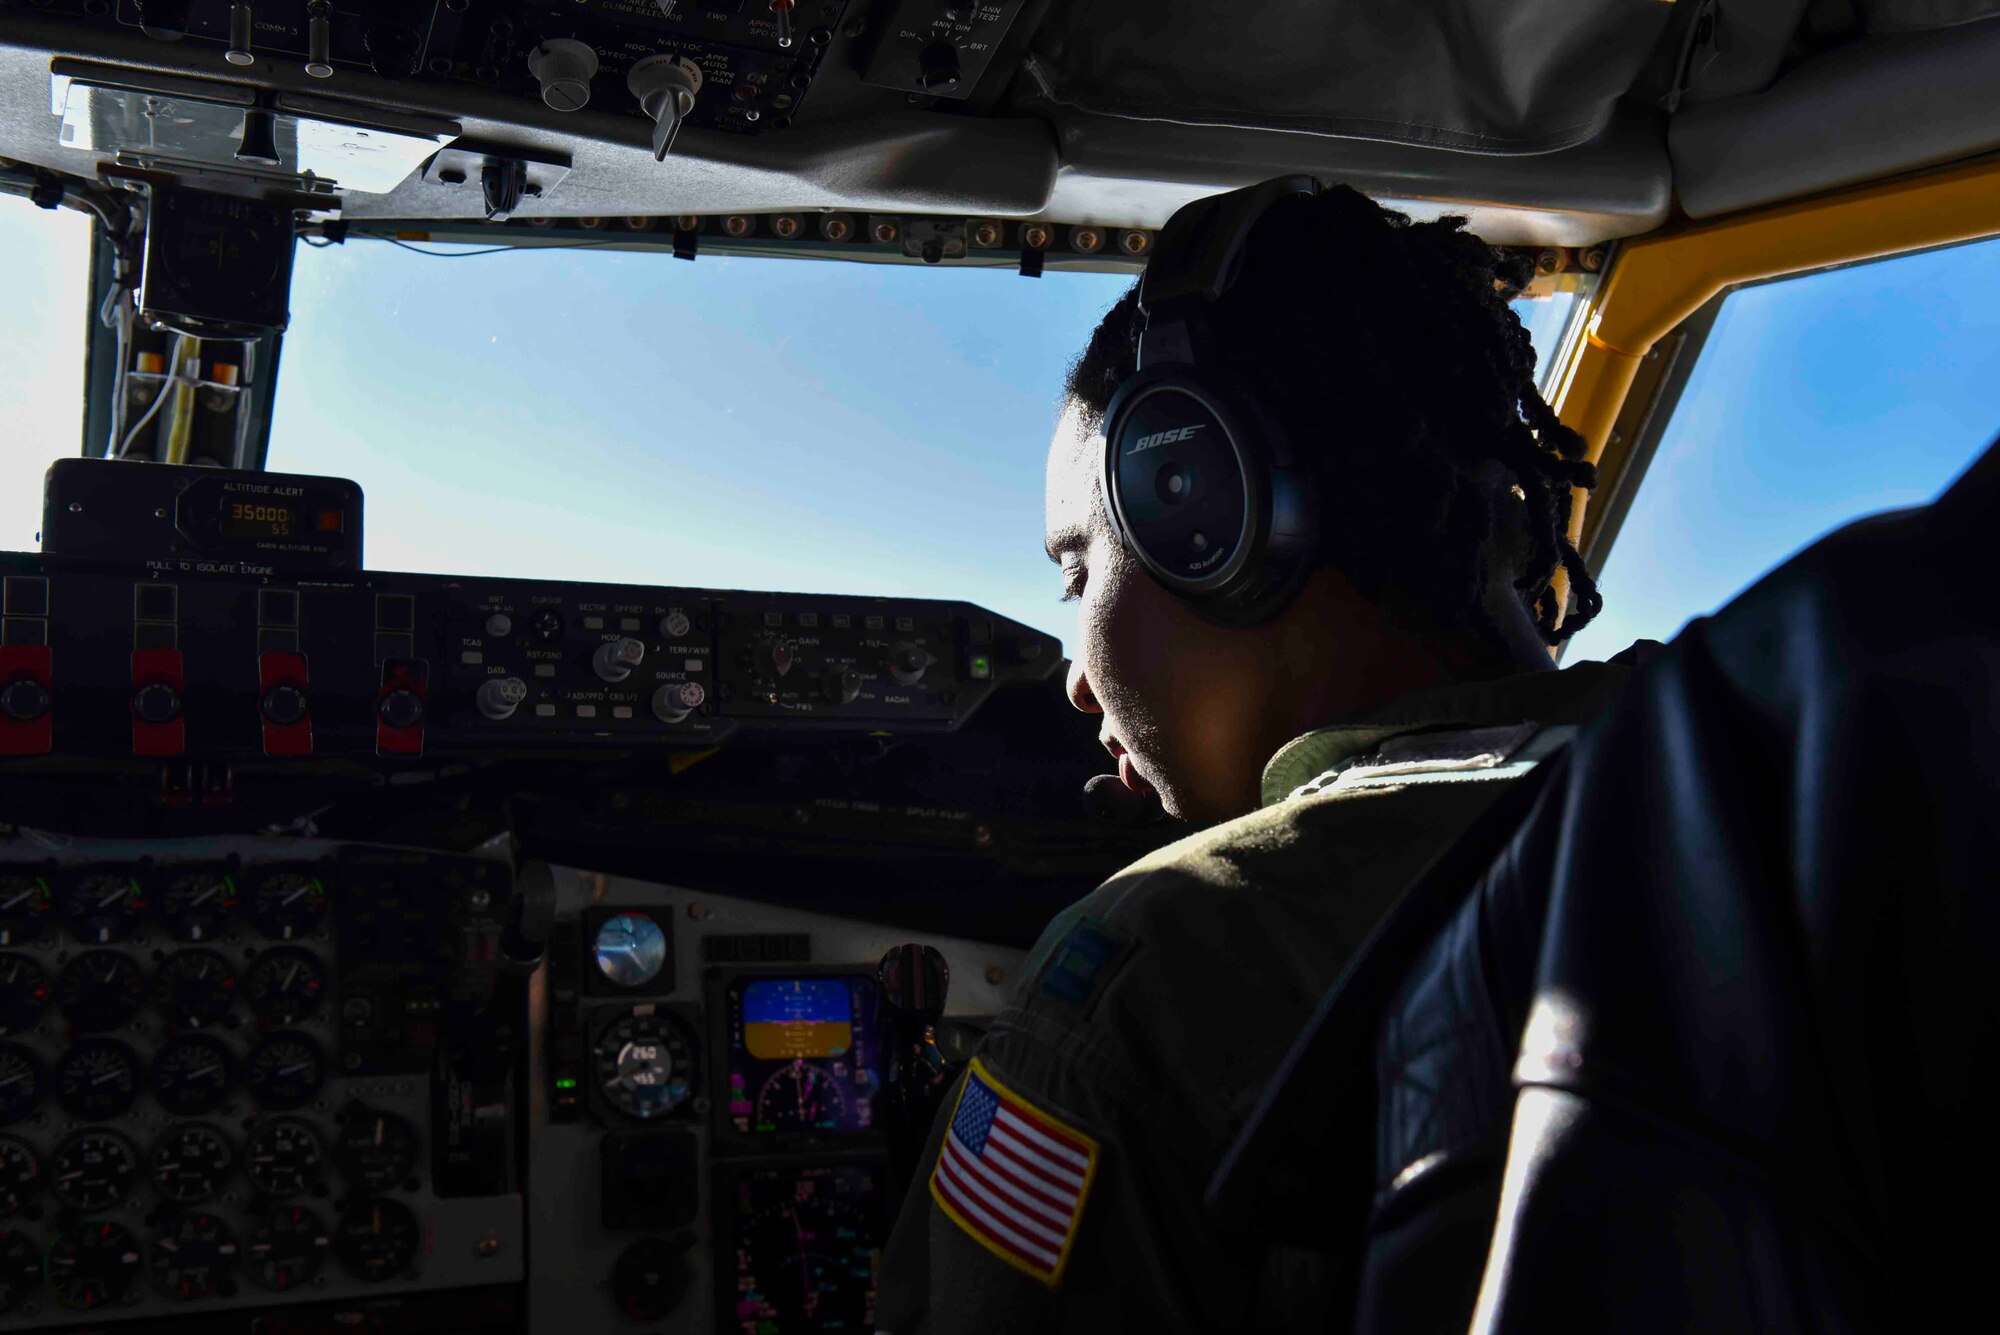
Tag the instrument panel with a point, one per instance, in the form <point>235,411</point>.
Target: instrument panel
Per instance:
<point>708,1154</point>
<point>220,1083</point>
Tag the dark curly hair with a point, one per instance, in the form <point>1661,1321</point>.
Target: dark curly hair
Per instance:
<point>1391,351</point>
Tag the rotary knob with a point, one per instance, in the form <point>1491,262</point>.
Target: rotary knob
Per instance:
<point>564,68</point>
<point>615,659</point>
<point>937,68</point>
<point>666,87</point>
<point>284,705</point>
<point>842,685</point>
<point>165,20</point>
<point>24,699</point>
<point>677,699</point>
<point>402,708</point>
<point>156,702</point>
<point>908,662</point>
<point>499,697</point>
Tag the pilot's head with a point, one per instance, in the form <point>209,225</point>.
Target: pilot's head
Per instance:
<point>1407,385</point>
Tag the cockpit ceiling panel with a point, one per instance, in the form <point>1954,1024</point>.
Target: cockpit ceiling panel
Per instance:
<point>1476,76</point>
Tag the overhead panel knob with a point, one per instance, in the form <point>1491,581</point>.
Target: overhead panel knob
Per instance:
<point>24,699</point>
<point>499,697</point>
<point>666,86</point>
<point>564,67</point>
<point>615,659</point>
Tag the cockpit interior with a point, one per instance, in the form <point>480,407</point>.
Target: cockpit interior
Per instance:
<point>418,949</point>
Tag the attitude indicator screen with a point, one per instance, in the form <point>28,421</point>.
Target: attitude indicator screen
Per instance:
<point>803,1054</point>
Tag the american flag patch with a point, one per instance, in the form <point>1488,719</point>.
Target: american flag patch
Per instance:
<point>1013,1177</point>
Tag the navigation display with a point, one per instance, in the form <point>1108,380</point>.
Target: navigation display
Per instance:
<point>807,1240</point>
<point>803,1054</point>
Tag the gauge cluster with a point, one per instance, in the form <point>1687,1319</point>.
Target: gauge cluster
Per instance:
<point>217,1093</point>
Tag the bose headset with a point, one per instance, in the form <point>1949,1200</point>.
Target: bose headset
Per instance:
<point>1201,483</point>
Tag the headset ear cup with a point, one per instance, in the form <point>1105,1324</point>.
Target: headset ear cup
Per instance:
<point>1194,491</point>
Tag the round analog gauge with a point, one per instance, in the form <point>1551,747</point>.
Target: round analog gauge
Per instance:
<point>20,1268</point>
<point>800,1096</point>
<point>287,1245</point>
<point>192,1074</point>
<point>376,1239</point>
<point>195,988</point>
<point>646,1063</point>
<point>195,905</point>
<point>284,986</point>
<point>285,1070</point>
<point>94,1264</point>
<point>25,905</point>
<point>103,906</point>
<point>94,1170</point>
<point>20,1174</point>
<point>194,1256</point>
<point>630,949</point>
<point>191,1162</point>
<point>282,1156</point>
<point>24,993</point>
<point>376,1150</point>
<point>100,989</point>
<point>286,905</point>
<point>22,1083</point>
<point>97,1079</point>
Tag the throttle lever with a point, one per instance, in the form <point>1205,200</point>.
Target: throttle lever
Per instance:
<point>915,981</point>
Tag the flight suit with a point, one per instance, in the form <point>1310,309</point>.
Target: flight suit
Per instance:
<point>1062,1185</point>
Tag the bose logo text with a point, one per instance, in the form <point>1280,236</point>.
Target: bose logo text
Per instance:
<point>1159,438</point>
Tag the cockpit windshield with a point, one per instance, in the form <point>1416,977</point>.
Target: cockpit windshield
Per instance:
<point>588,413</point>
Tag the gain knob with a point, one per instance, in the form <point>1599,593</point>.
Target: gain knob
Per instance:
<point>676,700</point>
<point>908,662</point>
<point>842,685</point>
<point>775,658</point>
<point>564,68</point>
<point>615,659</point>
<point>499,697</point>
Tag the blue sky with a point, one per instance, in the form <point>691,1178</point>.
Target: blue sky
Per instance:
<point>873,429</point>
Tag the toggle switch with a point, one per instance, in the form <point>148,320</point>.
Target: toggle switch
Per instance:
<point>666,86</point>
<point>615,660</point>
<point>242,29</point>
<point>564,68</point>
<point>319,38</point>
<point>783,9</point>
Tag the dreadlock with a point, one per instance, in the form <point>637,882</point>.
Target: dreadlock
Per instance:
<point>1392,350</point>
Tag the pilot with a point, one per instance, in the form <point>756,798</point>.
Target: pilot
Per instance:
<point>1327,731</point>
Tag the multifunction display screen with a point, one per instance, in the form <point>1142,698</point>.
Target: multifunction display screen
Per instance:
<point>803,1054</point>
<point>805,1255</point>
